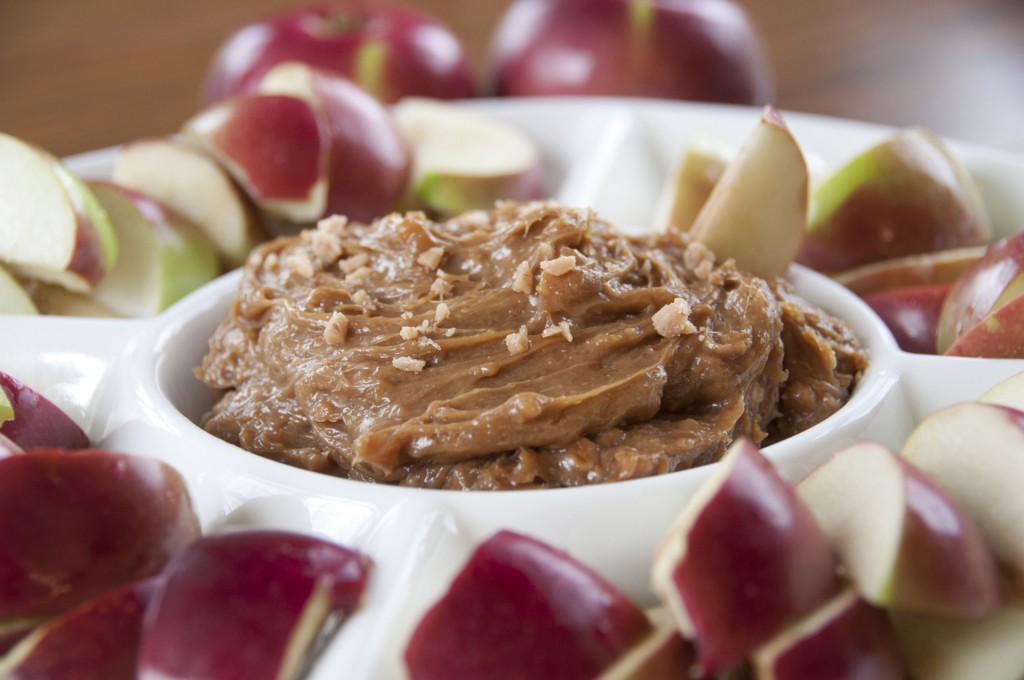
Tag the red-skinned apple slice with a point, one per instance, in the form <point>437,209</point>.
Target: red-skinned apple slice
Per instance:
<point>247,605</point>
<point>845,638</point>
<point>944,648</point>
<point>943,266</point>
<point>51,226</point>
<point>531,611</point>
<point>691,181</point>
<point>31,421</point>
<point>744,559</point>
<point>97,640</point>
<point>904,543</point>
<point>165,256</point>
<point>911,314</point>
<point>907,195</point>
<point>14,299</point>
<point>7,447</point>
<point>74,524</point>
<point>194,185</point>
<point>465,160</point>
<point>662,655</point>
<point>999,334</point>
<point>975,452</point>
<point>757,209</point>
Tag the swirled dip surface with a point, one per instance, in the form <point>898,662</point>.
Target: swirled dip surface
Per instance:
<point>530,346</point>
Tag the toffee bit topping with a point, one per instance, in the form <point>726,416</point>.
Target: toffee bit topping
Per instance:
<point>359,276</point>
<point>431,258</point>
<point>522,280</point>
<point>337,329</point>
<point>559,266</point>
<point>699,259</point>
<point>272,263</point>
<point>408,364</point>
<point>410,332</point>
<point>429,342</point>
<point>362,298</point>
<point>354,263</point>
<point>518,342</point>
<point>562,328</point>
<point>335,224</point>
<point>441,313</point>
<point>327,247</point>
<point>441,287</point>
<point>300,264</point>
<point>673,320</point>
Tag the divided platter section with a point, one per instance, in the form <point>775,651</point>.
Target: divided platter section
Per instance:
<point>131,384</point>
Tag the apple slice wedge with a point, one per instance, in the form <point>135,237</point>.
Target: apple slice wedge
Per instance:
<point>466,160</point>
<point>247,604</point>
<point>520,608</point>
<point>164,256</point>
<point>744,559</point>
<point>51,226</point>
<point>662,655</point>
<point>32,421</point>
<point>845,638</point>
<point>904,543</point>
<point>975,452</point>
<point>194,185</point>
<point>911,314</point>
<point>757,211</point>
<point>53,300</point>
<point>691,181</point>
<point>943,266</point>
<point>1008,392</point>
<point>14,299</point>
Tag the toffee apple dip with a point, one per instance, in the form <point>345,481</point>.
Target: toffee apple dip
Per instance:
<point>530,346</point>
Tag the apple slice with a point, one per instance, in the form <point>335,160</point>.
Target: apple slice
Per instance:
<point>743,560</point>
<point>975,452</point>
<point>845,638</point>
<point>7,447</point>
<point>905,544</point>
<point>904,196</point>
<point>943,648</point>
<point>14,299</point>
<point>51,227</point>
<point>520,608</point>
<point>53,300</point>
<point>662,655</point>
<point>911,314</point>
<point>193,185</point>
<point>74,524</point>
<point>943,266</point>
<point>1008,392</point>
<point>690,183</point>
<point>466,160</point>
<point>97,640</point>
<point>32,421</point>
<point>999,334</point>
<point>164,256</point>
<point>247,605</point>
<point>757,211</point>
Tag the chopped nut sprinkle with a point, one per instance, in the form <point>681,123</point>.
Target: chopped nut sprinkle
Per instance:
<point>359,276</point>
<point>327,247</point>
<point>561,328</point>
<point>431,258</point>
<point>335,224</point>
<point>559,266</point>
<point>441,313</point>
<point>522,281</point>
<point>300,264</point>
<point>546,250</point>
<point>410,332</point>
<point>429,342</point>
<point>337,329</point>
<point>441,287</point>
<point>699,259</point>
<point>361,297</point>
<point>673,320</point>
<point>354,263</point>
<point>518,342</point>
<point>408,364</point>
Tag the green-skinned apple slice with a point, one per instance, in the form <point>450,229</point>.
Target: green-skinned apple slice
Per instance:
<point>465,160</point>
<point>247,604</point>
<point>14,299</point>
<point>164,257</point>
<point>905,196</point>
<point>51,226</point>
<point>690,183</point>
<point>32,421</point>
<point>757,210</point>
<point>194,185</point>
<point>531,611</point>
<point>904,543</point>
<point>743,560</point>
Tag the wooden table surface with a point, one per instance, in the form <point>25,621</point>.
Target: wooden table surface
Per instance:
<point>83,74</point>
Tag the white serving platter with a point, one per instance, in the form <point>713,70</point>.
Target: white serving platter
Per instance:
<point>130,383</point>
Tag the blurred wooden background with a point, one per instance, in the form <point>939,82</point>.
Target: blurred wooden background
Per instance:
<point>82,74</point>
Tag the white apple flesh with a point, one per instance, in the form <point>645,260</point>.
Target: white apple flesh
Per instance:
<point>51,227</point>
<point>975,452</point>
<point>1008,392</point>
<point>691,181</point>
<point>247,604</point>
<point>904,543</point>
<point>465,160</point>
<point>14,299</point>
<point>744,559</point>
<point>662,655</point>
<point>757,209</point>
<point>194,185</point>
<point>32,421</point>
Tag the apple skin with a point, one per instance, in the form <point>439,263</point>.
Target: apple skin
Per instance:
<point>942,266</point>
<point>912,314</point>
<point>904,196</point>
<point>97,640</point>
<point>845,638</point>
<point>756,211</point>
<point>904,542</point>
<point>975,452</point>
<point>32,421</point>
<point>662,655</point>
<point>247,604</point>
<point>164,256</point>
<point>999,335</point>
<point>993,280</point>
<point>391,50</point>
<point>743,560</point>
<point>531,611</point>
<point>707,50</point>
<point>72,242</point>
<point>74,524</point>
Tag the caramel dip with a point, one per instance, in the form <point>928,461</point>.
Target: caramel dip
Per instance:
<point>529,346</point>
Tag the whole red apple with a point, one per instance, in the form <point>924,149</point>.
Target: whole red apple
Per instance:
<point>708,50</point>
<point>391,50</point>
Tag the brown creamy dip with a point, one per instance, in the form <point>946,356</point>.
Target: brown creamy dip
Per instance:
<point>530,346</point>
